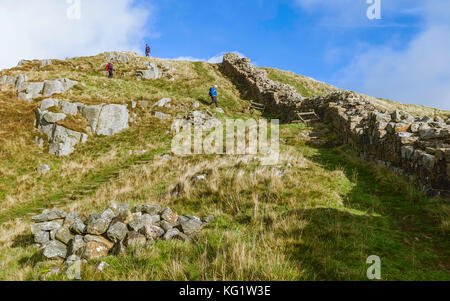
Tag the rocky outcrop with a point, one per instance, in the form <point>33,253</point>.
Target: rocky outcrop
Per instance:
<point>103,120</point>
<point>117,56</point>
<point>154,71</point>
<point>280,99</point>
<point>30,90</point>
<point>418,146</point>
<point>197,119</point>
<point>68,236</point>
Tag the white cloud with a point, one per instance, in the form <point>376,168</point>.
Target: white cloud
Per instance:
<point>418,74</point>
<point>213,60</point>
<point>42,29</point>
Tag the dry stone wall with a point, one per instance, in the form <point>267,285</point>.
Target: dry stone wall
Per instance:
<point>280,99</point>
<point>418,146</point>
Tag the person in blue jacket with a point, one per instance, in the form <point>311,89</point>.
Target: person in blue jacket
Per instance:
<point>213,93</point>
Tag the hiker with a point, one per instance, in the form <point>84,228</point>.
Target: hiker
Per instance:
<point>213,94</point>
<point>110,69</point>
<point>147,50</point>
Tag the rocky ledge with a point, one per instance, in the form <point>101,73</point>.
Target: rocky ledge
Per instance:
<point>28,91</point>
<point>103,119</point>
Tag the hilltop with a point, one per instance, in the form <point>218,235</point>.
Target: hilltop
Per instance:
<point>317,215</point>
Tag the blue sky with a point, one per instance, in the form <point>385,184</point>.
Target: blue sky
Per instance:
<point>403,56</point>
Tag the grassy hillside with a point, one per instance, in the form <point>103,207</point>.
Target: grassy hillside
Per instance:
<point>317,218</point>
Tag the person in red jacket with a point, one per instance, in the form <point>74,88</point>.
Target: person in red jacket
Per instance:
<point>110,69</point>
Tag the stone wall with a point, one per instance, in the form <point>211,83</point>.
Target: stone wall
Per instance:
<point>418,146</point>
<point>280,99</point>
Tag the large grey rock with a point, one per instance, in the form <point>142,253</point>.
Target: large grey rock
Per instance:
<point>52,87</point>
<point>191,227</point>
<point>116,56</point>
<point>63,235</point>
<point>45,226</point>
<point>58,86</point>
<point>64,141</point>
<point>77,245</point>
<point>92,114</point>
<point>135,239</point>
<point>149,209</point>
<point>170,217</point>
<point>55,249</point>
<point>42,237</point>
<point>69,108</point>
<point>142,221</point>
<point>49,215</point>
<point>51,117</point>
<point>152,72</point>
<point>152,232</point>
<point>108,215</point>
<point>112,119</point>
<point>78,228</point>
<point>32,89</point>
<point>72,218</point>
<point>166,226</point>
<point>97,226</point>
<point>117,232</point>
<point>96,247</point>
<point>175,234</point>
<point>48,103</point>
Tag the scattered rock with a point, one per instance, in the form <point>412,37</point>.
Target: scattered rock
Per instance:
<point>97,226</point>
<point>191,227</point>
<point>78,228</point>
<point>135,239</point>
<point>43,169</point>
<point>63,235</point>
<point>163,103</point>
<point>102,266</point>
<point>49,215</point>
<point>66,236</point>
<point>175,234</point>
<point>55,249</point>
<point>117,232</point>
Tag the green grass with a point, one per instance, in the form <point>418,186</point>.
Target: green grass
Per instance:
<point>320,221</point>
<point>305,86</point>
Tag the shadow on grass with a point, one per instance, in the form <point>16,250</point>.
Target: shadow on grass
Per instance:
<point>382,215</point>
<point>22,241</point>
<point>203,101</point>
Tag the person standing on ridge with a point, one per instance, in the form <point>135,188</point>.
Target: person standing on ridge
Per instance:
<point>147,50</point>
<point>213,94</point>
<point>110,69</point>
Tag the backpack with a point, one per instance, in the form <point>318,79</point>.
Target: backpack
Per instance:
<point>212,92</point>
<point>108,67</point>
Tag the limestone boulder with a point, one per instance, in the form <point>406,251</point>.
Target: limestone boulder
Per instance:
<point>112,119</point>
<point>49,215</point>
<point>63,141</point>
<point>44,63</point>
<point>55,250</point>
<point>117,232</point>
